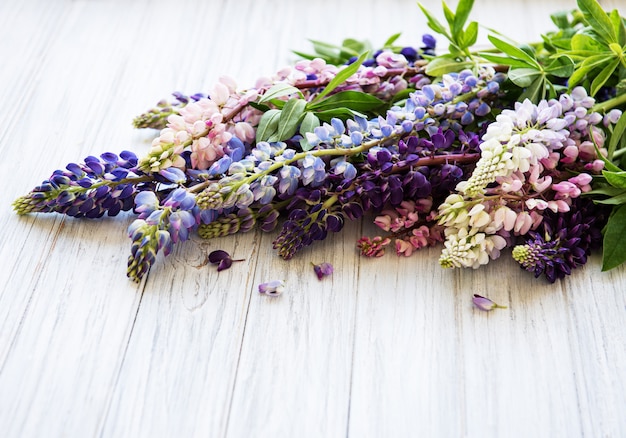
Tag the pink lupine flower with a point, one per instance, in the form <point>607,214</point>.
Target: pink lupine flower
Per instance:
<point>583,181</point>
<point>372,247</point>
<point>383,222</point>
<point>421,237</point>
<point>523,223</point>
<point>403,247</point>
<point>566,189</point>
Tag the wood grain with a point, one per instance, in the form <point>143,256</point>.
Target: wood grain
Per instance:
<point>385,347</point>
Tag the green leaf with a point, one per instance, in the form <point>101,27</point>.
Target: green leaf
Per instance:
<point>354,100</point>
<point>616,135</point>
<point>309,122</point>
<point>598,20</point>
<point>432,22</point>
<point>447,12</point>
<point>340,113</point>
<point>588,65</point>
<point>605,190</point>
<point>351,47</point>
<point>523,77</point>
<point>614,247</point>
<point>536,91</point>
<point>603,76</point>
<point>305,55</point>
<point>560,19</point>
<point>445,64</point>
<point>290,117</point>
<point>619,26</point>
<point>614,200</point>
<point>513,51</point>
<point>563,67</point>
<point>281,89</point>
<point>392,39</point>
<point>268,125</point>
<point>506,60</point>
<point>616,179</point>
<point>585,41</point>
<point>470,35</point>
<point>341,77</point>
<point>463,10</point>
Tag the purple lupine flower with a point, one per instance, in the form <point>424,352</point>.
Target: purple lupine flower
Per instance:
<point>485,304</point>
<point>98,186</point>
<point>222,259</point>
<point>563,241</point>
<point>272,288</point>
<point>322,270</point>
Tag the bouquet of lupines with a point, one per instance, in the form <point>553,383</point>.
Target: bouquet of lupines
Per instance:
<point>512,147</point>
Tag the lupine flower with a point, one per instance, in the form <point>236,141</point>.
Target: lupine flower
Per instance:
<point>272,288</point>
<point>485,303</point>
<point>222,259</point>
<point>373,247</point>
<point>322,270</point>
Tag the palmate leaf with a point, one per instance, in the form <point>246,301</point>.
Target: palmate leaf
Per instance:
<point>598,20</point>
<point>524,77</point>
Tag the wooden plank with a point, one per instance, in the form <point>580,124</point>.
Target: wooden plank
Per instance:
<point>385,347</point>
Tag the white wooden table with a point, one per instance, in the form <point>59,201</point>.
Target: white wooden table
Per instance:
<point>389,347</point>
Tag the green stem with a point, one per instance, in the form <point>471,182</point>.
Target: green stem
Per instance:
<point>610,104</point>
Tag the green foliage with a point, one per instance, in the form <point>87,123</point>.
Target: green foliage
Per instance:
<point>337,54</point>
<point>614,250</point>
<point>294,114</point>
<point>598,49</point>
<point>528,72</point>
<point>461,38</point>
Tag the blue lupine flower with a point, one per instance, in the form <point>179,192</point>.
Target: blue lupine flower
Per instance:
<point>174,175</point>
<point>221,166</point>
<point>338,126</point>
<point>289,177</point>
<point>345,168</point>
<point>145,203</point>
<point>314,170</point>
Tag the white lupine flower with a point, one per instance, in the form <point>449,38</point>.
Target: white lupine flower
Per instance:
<point>495,161</point>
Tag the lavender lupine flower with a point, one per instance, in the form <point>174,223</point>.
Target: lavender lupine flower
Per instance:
<point>485,304</point>
<point>322,270</point>
<point>272,288</point>
<point>105,185</point>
